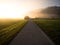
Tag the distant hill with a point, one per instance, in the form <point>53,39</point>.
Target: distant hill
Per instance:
<point>52,11</point>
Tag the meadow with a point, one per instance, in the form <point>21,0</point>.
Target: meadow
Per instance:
<point>51,27</point>
<point>9,29</point>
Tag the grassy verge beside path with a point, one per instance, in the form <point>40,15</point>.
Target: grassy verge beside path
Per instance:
<point>51,28</point>
<point>8,33</point>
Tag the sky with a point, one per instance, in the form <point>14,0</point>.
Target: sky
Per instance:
<point>18,8</point>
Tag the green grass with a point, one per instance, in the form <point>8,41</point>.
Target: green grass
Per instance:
<point>51,28</point>
<point>9,31</point>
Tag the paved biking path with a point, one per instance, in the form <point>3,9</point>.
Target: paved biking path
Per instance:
<point>31,34</point>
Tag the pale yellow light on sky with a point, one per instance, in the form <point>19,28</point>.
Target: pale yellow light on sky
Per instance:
<point>15,8</point>
<point>18,8</point>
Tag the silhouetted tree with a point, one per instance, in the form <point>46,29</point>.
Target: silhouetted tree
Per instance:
<point>26,17</point>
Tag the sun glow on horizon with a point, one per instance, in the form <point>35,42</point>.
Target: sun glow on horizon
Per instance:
<point>7,11</point>
<point>16,8</point>
<point>20,8</point>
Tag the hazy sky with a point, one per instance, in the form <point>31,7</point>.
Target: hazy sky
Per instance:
<point>17,8</point>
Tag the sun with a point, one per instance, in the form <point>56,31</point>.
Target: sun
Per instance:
<point>7,11</point>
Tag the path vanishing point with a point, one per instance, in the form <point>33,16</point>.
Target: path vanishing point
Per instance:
<point>31,34</point>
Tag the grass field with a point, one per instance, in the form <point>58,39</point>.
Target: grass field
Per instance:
<point>51,28</point>
<point>8,30</point>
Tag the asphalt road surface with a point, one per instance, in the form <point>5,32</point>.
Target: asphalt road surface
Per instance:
<point>31,34</point>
